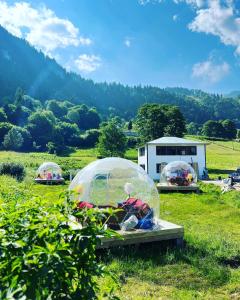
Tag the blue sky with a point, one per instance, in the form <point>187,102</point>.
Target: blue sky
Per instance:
<point>188,43</point>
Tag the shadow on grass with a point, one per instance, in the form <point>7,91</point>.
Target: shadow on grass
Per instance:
<point>219,171</point>
<point>162,263</point>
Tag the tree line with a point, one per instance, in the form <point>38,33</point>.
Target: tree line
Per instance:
<point>225,129</point>
<point>152,121</point>
<point>29,125</point>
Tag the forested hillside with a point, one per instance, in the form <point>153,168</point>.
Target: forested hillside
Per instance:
<point>42,78</point>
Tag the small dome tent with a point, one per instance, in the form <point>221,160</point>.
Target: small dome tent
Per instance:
<point>112,181</point>
<point>178,173</point>
<point>49,172</point>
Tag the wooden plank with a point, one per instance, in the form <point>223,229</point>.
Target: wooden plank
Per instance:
<point>168,231</point>
<point>49,181</point>
<point>165,187</point>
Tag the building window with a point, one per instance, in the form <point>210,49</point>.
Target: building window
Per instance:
<point>158,168</point>
<point>142,151</point>
<point>142,166</point>
<point>176,150</point>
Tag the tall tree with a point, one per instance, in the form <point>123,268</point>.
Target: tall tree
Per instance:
<point>13,140</point>
<point>59,109</point>
<point>27,144</point>
<point>3,116</point>
<point>112,141</point>
<point>175,124</point>
<point>4,129</point>
<point>130,125</point>
<point>19,96</point>
<point>84,117</point>
<point>150,122</point>
<point>213,129</point>
<point>156,120</point>
<point>90,138</point>
<point>230,130</point>
<point>69,132</point>
<point>41,127</point>
<point>193,128</point>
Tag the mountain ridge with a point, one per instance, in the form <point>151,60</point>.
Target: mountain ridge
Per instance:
<point>43,78</point>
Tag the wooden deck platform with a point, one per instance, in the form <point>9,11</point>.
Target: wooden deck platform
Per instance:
<point>167,231</point>
<point>49,182</point>
<point>170,188</point>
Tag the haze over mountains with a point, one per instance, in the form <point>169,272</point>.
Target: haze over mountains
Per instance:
<point>233,94</point>
<point>41,77</point>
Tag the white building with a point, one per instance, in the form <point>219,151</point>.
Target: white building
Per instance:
<point>155,154</point>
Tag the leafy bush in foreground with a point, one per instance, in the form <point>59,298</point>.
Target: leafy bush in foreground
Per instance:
<point>44,255</point>
<point>13,169</point>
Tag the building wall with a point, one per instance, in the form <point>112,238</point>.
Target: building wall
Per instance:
<point>142,160</point>
<point>154,159</point>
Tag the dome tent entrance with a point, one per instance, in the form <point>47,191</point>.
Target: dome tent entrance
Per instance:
<point>113,181</point>
<point>49,172</point>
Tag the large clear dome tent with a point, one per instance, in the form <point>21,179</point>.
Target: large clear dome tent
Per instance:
<point>110,181</point>
<point>49,171</point>
<point>178,173</point>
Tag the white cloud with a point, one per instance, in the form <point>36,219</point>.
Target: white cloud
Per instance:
<point>219,20</point>
<point>210,71</point>
<point>127,42</point>
<point>195,3</point>
<point>88,63</point>
<point>217,17</point>
<point>144,2</point>
<point>175,18</point>
<point>40,26</point>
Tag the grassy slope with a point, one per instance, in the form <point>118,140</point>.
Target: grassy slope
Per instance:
<point>222,157</point>
<point>204,269</point>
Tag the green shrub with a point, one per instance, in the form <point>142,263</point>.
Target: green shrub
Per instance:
<point>90,138</point>
<point>43,256</point>
<point>15,170</point>
<point>54,148</point>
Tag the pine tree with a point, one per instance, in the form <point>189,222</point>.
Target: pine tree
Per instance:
<point>130,125</point>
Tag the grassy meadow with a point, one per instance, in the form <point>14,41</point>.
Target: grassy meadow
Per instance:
<point>207,267</point>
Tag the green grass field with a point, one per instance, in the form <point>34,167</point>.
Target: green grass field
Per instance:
<point>222,157</point>
<point>208,266</point>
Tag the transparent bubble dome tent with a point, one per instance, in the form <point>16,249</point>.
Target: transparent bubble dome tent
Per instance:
<point>178,173</point>
<point>49,171</point>
<point>110,181</point>
<point>115,181</point>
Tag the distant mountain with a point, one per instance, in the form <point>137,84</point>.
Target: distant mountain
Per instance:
<point>197,94</point>
<point>21,65</point>
<point>233,94</point>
